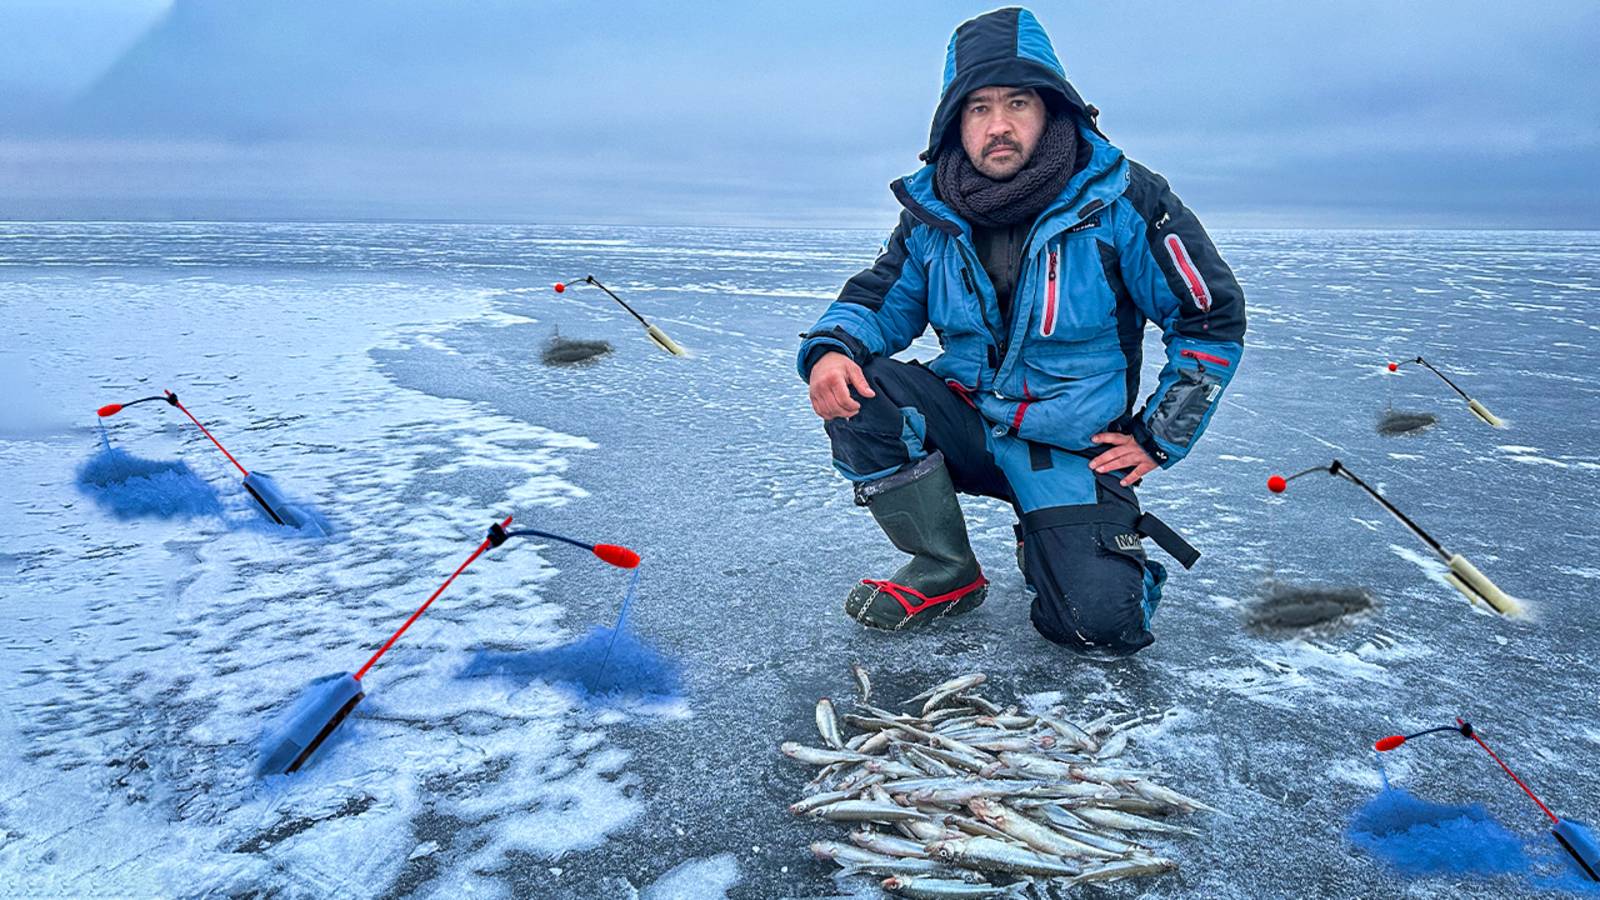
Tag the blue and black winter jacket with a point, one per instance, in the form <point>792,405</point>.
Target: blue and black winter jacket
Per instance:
<point>1116,249</point>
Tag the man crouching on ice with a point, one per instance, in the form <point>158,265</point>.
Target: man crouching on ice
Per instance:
<point>1037,252</point>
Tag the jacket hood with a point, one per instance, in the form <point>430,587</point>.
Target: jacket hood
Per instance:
<point>1005,47</point>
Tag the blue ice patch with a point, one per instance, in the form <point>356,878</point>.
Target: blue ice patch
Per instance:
<point>129,487</point>
<point>632,669</point>
<point>1421,838</point>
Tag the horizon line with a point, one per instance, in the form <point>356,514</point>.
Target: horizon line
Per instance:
<point>661,225</point>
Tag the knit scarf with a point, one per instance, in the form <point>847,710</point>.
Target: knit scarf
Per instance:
<point>987,203</point>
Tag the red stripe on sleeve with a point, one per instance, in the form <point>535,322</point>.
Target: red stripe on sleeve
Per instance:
<point>1191,274</point>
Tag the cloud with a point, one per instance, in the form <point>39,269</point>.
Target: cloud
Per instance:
<point>1404,113</point>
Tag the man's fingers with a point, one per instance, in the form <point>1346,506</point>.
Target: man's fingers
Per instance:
<point>828,398</point>
<point>822,400</point>
<point>844,405</point>
<point>1139,471</point>
<point>851,377</point>
<point>1112,437</point>
<point>858,379</point>
<point>1120,458</point>
<point>830,388</point>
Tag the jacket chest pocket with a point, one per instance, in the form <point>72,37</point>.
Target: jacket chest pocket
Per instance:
<point>1074,302</point>
<point>957,310</point>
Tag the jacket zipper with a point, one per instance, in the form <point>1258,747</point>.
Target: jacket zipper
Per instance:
<point>1048,212</point>
<point>971,285</point>
<point>1048,326</point>
<point>1189,270</point>
<point>951,228</point>
<point>1197,356</point>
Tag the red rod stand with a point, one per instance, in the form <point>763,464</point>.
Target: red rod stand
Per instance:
<point>1546,809</point>
<point>487,542</point>
<point>173,399</point>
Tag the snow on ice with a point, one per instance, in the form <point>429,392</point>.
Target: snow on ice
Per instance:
<point>401,394</point>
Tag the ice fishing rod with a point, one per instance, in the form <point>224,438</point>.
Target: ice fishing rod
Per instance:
<point>621,557</point>
<point>1478,409</point>
<point>1573,836</point>
<point>259,485</point>
<point>315,719</point>
<point>1463,575</point>
<point>656,334</point>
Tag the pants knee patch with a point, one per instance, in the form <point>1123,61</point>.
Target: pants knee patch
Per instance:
<point>1094,587</point>
<point>888,432</point>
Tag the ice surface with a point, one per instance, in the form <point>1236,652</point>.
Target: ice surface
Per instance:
<point>697,879</point>
<point>390,375</point>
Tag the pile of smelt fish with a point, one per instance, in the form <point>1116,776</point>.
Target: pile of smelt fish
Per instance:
<point>964,798</point>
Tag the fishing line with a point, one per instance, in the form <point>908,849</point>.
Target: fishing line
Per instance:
<point>622,620</point>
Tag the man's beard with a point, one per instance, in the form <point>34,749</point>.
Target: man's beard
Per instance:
<point>1002,171</point>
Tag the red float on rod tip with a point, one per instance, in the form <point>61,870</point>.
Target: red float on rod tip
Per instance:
<point>621,557</point>
<point>1394,367</point>
<point>110,409</point>
<point>1389,743</point>
<point>560,288</point>
<point>1277,484</point>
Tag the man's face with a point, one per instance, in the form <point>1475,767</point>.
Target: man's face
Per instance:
<point>1000,127</point>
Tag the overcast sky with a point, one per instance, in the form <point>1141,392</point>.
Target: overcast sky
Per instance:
<point>1387,114</point>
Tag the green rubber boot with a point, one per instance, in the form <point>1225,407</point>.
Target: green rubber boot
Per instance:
<point>917,508</point>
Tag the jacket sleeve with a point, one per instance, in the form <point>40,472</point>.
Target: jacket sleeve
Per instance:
<point>880,311</point>
<point>1179,281</point>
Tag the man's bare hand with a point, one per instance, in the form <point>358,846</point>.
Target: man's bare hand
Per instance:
<point>831,380</point>
<point>1125,453</point>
